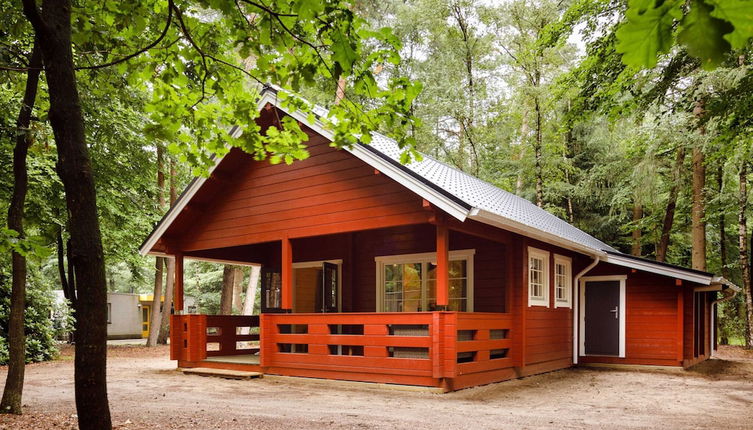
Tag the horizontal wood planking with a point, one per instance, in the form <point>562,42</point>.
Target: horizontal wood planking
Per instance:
<point>547,330</point>
<point>329,192</point>
<point>651,320</point>
<point>354,375</point>
<point>246,367</point>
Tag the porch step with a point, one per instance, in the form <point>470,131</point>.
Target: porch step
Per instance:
<point>221,373</point>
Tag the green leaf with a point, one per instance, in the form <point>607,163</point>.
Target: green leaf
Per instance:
<point>647,32</point>
<point>703,35</point>
<point>740,14</point>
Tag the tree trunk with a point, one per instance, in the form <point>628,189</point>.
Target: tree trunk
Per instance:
<point>164,329</point>
<point>669,214</point>
<point>52,26</point>
<point>157,302</point>
<point>226,297</point>
<point>14,381</point>
<point>167,307</point>
<point>637,215</point>
<point>65,284</point>
<point>340,91</point>
<point>248,304</point>
<point>698,211</point>
<point>743,246</point>
<point>537,154</point>
<point>253,282</point>
<point>155,313</point>
<point>722,224</point>
<point>237,289</point>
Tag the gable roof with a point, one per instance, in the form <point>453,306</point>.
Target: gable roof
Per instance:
<point>484,198</point>
<point>459,194</point>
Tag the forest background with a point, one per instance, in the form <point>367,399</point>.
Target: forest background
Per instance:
<point>532,96</point>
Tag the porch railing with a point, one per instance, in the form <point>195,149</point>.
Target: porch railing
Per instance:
<point>424,345</point>
<point>451,349</point>
<point>196,337</point>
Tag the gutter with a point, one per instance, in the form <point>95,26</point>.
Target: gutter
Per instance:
<point>576,309</point>
<point>729,292</point>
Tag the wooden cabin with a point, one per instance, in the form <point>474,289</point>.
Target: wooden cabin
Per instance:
<point>416,274</point>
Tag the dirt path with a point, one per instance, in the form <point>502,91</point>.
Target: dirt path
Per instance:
<point>147,392</point>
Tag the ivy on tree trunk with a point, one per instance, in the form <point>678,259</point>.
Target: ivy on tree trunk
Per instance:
<point>14,381</point>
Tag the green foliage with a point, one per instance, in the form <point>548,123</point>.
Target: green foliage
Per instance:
<point>708,29</point>
<point>647,31</point>
<point>40,305</point>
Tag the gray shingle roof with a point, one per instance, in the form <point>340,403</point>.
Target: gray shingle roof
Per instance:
<point>483,195</point>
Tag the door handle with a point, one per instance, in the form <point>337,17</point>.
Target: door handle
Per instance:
<point>616,312</point>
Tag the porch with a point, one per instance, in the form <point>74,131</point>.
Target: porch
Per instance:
<point>451,350</point>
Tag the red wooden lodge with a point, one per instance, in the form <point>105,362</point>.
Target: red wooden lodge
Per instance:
<point>416,274</point>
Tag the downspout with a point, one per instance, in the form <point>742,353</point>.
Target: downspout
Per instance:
<point>576,309</point>
<point>726,297</point>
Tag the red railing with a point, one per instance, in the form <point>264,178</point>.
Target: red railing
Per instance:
<point>483,343</point>
<point>196,337</point>
<point>413,348</point>
<point>448,349</point>
<point>232,334</point>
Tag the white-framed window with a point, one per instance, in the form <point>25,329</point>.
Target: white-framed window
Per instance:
<point>563,281</point>
<point>408,282</point>
<point>538,277</point>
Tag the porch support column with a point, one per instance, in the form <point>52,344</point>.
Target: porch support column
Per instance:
<point>443,266</point>
<point>680,324</point>
<point>287,274</point>
<point>178,285</point>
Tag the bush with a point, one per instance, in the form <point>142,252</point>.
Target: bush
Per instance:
<point>40,330</point>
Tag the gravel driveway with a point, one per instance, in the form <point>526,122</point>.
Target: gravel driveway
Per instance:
<point>147,392</point>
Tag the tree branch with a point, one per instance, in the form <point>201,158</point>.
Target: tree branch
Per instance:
<point>204,55</point>
<point>268,10</point>
<point>140,51</point>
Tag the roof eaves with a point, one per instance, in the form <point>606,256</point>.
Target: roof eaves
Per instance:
<point>725,283</point>
<point>496,220</point>
<point>659,268</point>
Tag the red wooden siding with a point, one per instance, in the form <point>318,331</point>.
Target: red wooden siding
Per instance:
<point>548,330</point>
<point>652,319</point>
<point>331,191</point>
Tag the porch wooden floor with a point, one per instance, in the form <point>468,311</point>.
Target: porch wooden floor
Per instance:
<point>235,359</point>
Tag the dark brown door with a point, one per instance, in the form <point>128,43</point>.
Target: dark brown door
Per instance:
<point>602,319</point>
<point>330,287</point>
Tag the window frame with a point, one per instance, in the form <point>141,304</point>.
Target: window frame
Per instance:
<point>568,263</point>
<point>423,259</point>
<point>544,256</point>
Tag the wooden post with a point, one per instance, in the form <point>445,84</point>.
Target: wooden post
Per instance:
<point>287,274</point>
<point>178,287</point>
<point>680,324</point>
<point>443,266</point>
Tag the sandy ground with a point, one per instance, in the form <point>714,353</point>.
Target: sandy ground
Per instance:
<point>147,392</point>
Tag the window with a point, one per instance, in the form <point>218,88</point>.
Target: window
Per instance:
<point>563,282</point>
<point>538,277</point>
<point>408,283</point>
<point>109,313</point>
